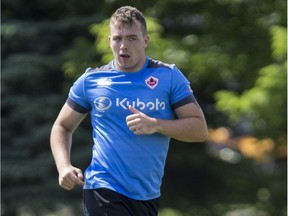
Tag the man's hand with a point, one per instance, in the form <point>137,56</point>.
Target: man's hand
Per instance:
<point>140,123</point>
<point>69,177</point>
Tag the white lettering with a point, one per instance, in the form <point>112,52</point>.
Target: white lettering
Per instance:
<point>150,105</point>
<point>141,105</point>
<point>121,103</point>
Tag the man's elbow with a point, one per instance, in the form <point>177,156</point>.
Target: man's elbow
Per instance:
<point>204,135</point>
<point>200,136</point>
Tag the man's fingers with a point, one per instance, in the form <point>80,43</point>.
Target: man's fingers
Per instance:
<point>80,175</point>
<point>66,183</point>
<point>140,123</point>
<point>69,180</point>
<point>68,186</point>
<point>133,109</point>
<point>130,119</point>
<point>78,178</point>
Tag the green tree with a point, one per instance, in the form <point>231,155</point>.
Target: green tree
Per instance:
<point>33,88</point>
<point>263,108</point>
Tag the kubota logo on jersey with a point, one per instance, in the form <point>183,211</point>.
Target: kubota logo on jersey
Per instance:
<point>103,103</point>
<point>141,105</point>
<point>152,82</point>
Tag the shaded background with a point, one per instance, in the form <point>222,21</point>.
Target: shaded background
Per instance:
<point>235,55</point>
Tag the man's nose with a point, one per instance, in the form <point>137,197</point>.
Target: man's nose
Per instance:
<point>123,44</point>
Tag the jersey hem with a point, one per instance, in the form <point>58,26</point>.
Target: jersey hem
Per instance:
<point>141,198</point>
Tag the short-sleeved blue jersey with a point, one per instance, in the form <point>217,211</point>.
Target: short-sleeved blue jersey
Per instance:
<point>130,164</point>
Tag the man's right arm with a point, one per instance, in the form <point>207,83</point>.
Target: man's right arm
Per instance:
<point>61,142</point>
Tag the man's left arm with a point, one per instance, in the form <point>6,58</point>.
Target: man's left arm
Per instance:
<point>190,125</point>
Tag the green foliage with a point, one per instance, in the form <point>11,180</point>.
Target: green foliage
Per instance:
<point>81,55</point>
<point>32,86</point>
<point>169,212</point>
<point>29,103</point>
<point>268,95</point>
<point>279,42</point>
<point>101,32</point>
<point>206,186</point>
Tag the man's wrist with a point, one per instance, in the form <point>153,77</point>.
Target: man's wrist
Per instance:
<point>63,165</point>
<point>158,128</point>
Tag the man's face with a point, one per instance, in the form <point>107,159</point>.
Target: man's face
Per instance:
<point>128,46</point>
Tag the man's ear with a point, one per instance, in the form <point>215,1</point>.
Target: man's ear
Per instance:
<point>146,40</point>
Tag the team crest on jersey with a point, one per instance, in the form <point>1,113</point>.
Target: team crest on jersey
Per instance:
<point>152,82</point>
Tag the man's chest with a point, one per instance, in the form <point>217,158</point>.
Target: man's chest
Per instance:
<point>115,95</point>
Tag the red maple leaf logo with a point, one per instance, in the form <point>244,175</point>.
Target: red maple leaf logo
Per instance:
<point>152,82</point>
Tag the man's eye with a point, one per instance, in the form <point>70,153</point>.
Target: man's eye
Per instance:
<point>132,38</point>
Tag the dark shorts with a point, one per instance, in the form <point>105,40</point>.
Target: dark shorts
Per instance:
<point>105,202</point>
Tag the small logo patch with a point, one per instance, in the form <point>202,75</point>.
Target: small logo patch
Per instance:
<point>102,103</point>
<point>104,82</point>
<point>152,82</point>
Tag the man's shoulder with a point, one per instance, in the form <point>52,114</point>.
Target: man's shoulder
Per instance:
<point>152,63</point>
<point>103,68</point>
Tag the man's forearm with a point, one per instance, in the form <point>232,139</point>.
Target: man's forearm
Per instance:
<point>60,141</point>
<point>186,128</point>
<point>190,129</point>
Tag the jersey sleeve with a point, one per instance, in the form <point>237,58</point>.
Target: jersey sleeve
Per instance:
<point>77,99</point>
<point>181,92</point>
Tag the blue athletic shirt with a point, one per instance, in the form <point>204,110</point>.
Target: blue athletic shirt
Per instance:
<point>130,164</point>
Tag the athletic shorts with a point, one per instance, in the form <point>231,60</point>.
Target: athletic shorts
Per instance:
<point>105,202</point>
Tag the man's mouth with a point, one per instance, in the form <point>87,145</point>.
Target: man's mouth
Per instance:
<point>125,56</point>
